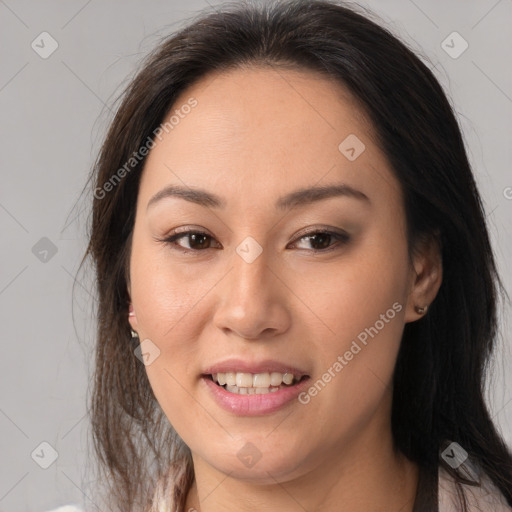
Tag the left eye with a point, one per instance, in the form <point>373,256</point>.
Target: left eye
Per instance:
<point>324,239</point>
<point>198,240</point>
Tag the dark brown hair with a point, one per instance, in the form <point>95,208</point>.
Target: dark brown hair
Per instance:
<point>439,379</point>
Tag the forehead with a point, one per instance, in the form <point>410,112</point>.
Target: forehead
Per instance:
<point>261,129</point>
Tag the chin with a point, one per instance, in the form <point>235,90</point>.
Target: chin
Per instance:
<point>258,466</point>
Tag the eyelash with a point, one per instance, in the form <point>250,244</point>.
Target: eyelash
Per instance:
<point>342,238</point>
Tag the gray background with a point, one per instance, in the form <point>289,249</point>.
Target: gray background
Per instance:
<point>54,116</point>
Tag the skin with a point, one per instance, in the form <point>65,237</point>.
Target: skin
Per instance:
<point>256,134</point>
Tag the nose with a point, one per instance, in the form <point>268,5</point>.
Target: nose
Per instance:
<point>253,300</point>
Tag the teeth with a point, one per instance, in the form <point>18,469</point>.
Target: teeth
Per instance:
<point>252,391</point>
<point>244,380</point>
<point>256,381</point>
<point>288,378</point>
<point>276,378</point>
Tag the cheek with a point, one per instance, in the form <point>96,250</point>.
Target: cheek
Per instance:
<point>350,294</point>
<point>166,302</point>
<point>361,309</point>
<point>163,295</point>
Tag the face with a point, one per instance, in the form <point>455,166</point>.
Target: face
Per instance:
<point>258,281</point>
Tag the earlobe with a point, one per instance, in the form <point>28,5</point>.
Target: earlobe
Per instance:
<point>421,311</point>
<point>132,318</point>
<point>428,270</point>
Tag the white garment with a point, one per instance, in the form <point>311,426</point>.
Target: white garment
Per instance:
<point>67,508</point>
<point>485,498</point>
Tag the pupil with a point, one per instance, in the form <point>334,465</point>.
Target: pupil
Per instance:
<point>325,238</point>
<point>195,237</point>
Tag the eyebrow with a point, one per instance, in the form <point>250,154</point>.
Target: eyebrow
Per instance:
<point>292,200</point>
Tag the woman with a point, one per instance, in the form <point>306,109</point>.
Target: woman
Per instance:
<point>286,224</point>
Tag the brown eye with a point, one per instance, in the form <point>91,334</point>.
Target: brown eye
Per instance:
<point>321,241</point>
<point>197,240</point>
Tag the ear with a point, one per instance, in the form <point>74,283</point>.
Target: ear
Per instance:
<point>132,318</point>
<point>426,275</point>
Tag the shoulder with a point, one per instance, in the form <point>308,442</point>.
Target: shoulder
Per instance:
<point>67,508</point>
<point>483,498</point>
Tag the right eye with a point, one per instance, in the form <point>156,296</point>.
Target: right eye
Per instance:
<point>197,240</point>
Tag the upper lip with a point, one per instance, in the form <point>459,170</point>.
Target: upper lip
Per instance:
<point>239,365</point>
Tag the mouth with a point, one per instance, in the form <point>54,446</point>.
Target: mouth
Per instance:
<point>243,383</point>
<point>254,388</point>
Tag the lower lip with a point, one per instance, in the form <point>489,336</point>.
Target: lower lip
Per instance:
<point>254,405</point>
